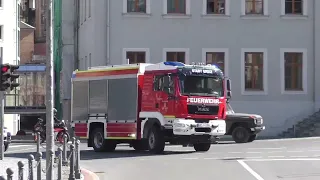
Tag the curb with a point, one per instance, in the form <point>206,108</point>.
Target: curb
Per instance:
<point>88,175</point>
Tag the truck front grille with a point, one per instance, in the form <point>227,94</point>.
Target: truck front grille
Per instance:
<point>203,110</point>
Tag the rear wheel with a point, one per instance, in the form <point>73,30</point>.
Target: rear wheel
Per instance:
<point>240,134</point>
<point>99,144</point>
<point>202,147</point>
<point>155,141</point>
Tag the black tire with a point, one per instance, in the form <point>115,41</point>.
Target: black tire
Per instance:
<point>202,147</point>
<point>252,138</point>
<point>140,145</point>
<point>100,144</point>
<point>155,140</point>
<point>241,134</point>
<point>6,146</point>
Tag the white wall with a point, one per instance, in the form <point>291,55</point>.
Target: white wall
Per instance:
<point>8,19</point>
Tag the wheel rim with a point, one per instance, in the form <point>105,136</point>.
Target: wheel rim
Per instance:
<point>98,140</point>
<point>240,134</point>
<point>151,140</point>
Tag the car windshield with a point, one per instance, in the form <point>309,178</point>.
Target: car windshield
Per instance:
<point>201,86</point>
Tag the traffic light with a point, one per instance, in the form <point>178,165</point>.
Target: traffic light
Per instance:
<point>8,77</point>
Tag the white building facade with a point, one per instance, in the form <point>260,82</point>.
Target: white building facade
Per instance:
<point>267,47</point>
<point>10,48</point>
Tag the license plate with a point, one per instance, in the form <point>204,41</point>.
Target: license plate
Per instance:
<point>201,125</point>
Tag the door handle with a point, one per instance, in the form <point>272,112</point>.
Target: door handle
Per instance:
<point>157,105</point>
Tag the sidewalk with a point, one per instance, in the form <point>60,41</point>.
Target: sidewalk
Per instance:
<point>12,163</point>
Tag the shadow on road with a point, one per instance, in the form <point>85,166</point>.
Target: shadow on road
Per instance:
<point>91,155</point>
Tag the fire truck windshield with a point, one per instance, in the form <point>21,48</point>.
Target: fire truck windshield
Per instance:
<point>201,86</point>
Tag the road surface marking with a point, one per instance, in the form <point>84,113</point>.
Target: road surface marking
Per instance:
<point>290,139</point>
<point>251,171</point>
<point>314,150</point>
<point>20,145</point>
<point>294,151</point>
<point>211,158</point>
<point>316,155</point>
<point>276,156</point>
<point>21,150</point>
<point>190,158</point>
<point>254,157</point>
<point>298,156</point>
<point>231,157</point>
<point>254,152</point>
<point>296,159</point>
<point>235,152</point>
<point>269,148</point>
<point>274,151</point>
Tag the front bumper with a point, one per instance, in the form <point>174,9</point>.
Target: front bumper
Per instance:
<point>257,129</point>
<point>190,127</point>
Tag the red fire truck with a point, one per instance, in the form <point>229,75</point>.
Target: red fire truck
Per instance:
<point>147,105</point>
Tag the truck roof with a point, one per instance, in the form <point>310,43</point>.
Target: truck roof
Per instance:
<point>139,68</point>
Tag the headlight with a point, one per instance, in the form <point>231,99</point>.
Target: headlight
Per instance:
<point>258,121</point>
<point>179,125</point>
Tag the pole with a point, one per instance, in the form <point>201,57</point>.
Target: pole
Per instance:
<point>1,123</point>
<point>1,119</point>
<point>49,91</point>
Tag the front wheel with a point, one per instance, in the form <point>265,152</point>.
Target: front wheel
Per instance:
<point>60,137</point>
<point>241,134</point>
<point>202,147</point>
<point>252,138</point>
<point>155,141</point>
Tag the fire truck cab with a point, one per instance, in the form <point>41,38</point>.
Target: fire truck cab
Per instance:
<point>147,105</point>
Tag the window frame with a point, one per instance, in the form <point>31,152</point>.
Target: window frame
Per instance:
<point>217,50</point>
<point>265,71</point>
<point>185,50</point>
<point>138,14</point>
<point>264,14</point>
<point>226,11</point>
<point>178,15</point>
<point>304,10</point>
<point>304,69</point>
<point>125,50</point>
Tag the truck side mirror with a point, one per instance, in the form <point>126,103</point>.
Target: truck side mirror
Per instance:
<point>229,94</point>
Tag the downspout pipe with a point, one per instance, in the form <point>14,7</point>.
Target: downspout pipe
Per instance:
<point>108,32</point>
<point>314,53</point>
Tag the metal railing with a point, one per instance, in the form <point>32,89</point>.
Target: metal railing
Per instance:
<point>67,164</point>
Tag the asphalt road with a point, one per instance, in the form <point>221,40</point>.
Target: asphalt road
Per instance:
<point>260,160</point>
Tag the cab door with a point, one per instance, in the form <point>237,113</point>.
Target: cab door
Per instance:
<point>165,94</point>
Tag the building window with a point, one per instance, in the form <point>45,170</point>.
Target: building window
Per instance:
<point>293,71</point>
<point>90,60</point>
<point>176,55</point>
<point>1,5</point>
<point>1,32</point>
<point>18,43</point>
<point>254,71</point>
<point>215,6</point>
<point>136,57</point>
<point>1,53</point>
<point>216,56</point>
<point>294,6</point>
<point>254,6</point>
<point>139,6</point>
<point>176,6</point>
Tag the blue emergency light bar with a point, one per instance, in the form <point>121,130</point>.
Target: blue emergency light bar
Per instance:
<point>170,63</point>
